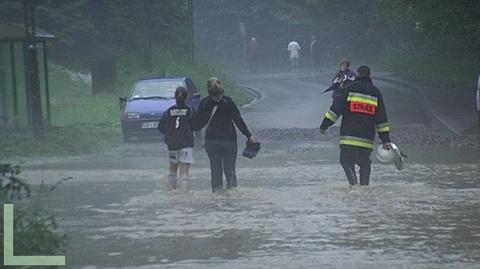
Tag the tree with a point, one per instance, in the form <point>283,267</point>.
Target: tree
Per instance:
<point>93,34</point>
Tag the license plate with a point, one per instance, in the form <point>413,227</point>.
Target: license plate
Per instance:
<point>149,125</point>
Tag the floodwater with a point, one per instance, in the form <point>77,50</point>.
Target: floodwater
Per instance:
<point>298,212</point>
<point>293,209</point>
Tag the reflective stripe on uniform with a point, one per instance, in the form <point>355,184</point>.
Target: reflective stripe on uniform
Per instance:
<point>356,141</point>
<point>383,127</point>
<point>331,116</point>
<point>363,98</point>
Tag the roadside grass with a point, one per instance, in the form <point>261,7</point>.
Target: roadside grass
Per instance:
<point>441,71</point>
<point>82,123</point>
<point>56,141</point>
<point>72,102</point>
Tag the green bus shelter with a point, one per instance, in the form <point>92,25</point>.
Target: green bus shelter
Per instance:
<point>15,98</point>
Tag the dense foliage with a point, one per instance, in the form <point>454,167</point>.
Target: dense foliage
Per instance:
<point>35,231</point>
<point>98,35</point>
<point>433,31</point>
<point>85,28</point>
<point>402,34</point>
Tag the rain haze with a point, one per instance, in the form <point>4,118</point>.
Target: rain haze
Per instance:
<point>240,134</point>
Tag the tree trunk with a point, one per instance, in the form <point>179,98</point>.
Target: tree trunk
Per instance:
<point>103,73</point>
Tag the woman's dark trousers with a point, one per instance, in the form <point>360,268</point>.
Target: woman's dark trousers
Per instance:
<point>223,158</point>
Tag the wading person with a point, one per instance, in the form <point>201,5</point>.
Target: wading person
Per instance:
<point>176,125</point>
<point>361,107</point>
<point>218,113</point>
<point>343,77</point>
<point>294,51</point>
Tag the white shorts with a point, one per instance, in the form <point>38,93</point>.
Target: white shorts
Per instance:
<point>184,155</point>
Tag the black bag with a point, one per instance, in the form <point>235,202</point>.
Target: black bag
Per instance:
<point>251,150</point>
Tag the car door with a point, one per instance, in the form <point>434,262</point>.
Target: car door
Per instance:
<point>194,96</point>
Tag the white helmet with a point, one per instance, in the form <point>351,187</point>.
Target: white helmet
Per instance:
<point>385,156</point>
<point>389,156</point>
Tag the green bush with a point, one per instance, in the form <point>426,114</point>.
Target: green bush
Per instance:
<point>35,232</point>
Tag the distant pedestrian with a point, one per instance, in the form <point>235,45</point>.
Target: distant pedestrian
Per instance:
<point>361,107</point>
<point>218,113</point>
<point>294,51</point>
<point>478,100</point>
<point>252,55</point>
<point>177,126</point>
<point>315,53</point>
<point>343,77</point>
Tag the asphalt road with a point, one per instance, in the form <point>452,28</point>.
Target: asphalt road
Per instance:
<point>296,100</point>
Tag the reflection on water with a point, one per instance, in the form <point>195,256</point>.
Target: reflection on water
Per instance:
<point>296,216</point>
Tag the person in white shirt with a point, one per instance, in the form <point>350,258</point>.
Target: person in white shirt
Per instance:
<point>294,50</point>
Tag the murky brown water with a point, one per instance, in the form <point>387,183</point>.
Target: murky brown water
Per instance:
<point>293,209</point>
<point>297,212</point>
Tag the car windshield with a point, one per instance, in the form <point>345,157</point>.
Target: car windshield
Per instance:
<point>156,89</point>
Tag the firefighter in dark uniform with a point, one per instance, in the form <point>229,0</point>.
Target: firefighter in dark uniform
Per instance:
<point>362,109</point>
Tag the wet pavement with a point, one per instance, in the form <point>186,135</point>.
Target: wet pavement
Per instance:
<point>454,108</point>
<point>293,208</point>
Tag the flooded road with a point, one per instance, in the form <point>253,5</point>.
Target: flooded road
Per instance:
<point>294,208</point>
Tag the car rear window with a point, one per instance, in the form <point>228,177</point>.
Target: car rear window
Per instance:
<point>151,88</point>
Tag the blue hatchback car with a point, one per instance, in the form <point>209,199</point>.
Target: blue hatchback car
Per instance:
<point>148,100</point>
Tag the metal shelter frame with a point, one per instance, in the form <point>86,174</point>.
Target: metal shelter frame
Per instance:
<point>14,40</point>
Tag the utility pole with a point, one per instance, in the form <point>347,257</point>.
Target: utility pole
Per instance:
<point>33,80</point>
<point>243,32</point>
<point>190,39</point>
